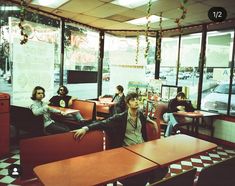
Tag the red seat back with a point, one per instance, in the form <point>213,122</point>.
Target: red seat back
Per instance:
<point>151,134</point>
<point>45,149</point>
<point>86,108</point>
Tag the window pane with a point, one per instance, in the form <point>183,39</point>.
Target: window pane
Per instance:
<point>189,61</point>
<point>122,62</point>
<point>24,67</point>
<point>81,61</point>
<point>169,51</point>
<point>217,71</point>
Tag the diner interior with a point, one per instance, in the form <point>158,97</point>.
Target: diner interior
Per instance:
<point>155,48</point>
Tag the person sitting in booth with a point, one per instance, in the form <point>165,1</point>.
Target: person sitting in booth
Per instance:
<point>119,99</point>
<point>179,103</point>
<point>65,101</point>
<point>125,129</point>
<point>39,107</point>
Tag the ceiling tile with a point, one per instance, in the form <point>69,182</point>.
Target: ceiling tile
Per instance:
<point>106,10</point>
<point>84,18</point>
<point>80,6</point>
<point>101,23</point>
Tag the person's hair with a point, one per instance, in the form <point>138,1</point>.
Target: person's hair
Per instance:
<point>130,96</point>
<point>120,88</point>
<point>33,97</point>
<point>66,91</point>
<point>181,94</point>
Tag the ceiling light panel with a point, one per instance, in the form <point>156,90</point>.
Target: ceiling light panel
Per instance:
<point>49,3</point>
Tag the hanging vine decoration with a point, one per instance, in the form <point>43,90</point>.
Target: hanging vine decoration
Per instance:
<point>137,48</point>
<point>159,39</point>
<point>179,20</point>
<point>22,17</point>
<point>147,29</point>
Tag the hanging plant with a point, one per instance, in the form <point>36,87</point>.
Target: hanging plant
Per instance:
<point>22,17</point>
<point>179,20</point>
<point>147,29</point>
<point>137,48</point>
<point>159,39</point>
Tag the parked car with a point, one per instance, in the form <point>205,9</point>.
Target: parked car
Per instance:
<point>217,100</point>
<point>182,75</point>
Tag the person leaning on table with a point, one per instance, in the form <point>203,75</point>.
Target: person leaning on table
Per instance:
<point>127,128</point>
<point>179,103</point>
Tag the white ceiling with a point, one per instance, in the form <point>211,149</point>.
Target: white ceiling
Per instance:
<point>104,15</point>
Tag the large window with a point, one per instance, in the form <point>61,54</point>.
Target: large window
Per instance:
<point>188,75</point>
<point>81,61</point>
<point>125,62</point>
<point>217,72</point>
<point>169,54</point>
<point>22,65</point>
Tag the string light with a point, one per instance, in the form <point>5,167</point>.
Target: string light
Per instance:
<point>159,39</point>
<point>22,17</point>
<point>147,29</point>
<point>137,48</point>
<point>179,20</point>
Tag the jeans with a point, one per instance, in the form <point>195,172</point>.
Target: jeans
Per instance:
<point>171,120</point>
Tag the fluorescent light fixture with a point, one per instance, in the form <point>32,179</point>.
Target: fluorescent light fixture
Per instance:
<point>144,20</point>
<point>131,3</point>
<point>9,8</point>
<point>49,3</point>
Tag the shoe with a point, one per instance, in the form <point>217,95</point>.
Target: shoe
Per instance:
<point>178,132</point>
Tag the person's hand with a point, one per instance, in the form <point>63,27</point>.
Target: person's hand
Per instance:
<point>63,113</point>
<point>79,133</point>
<point>181,108</point>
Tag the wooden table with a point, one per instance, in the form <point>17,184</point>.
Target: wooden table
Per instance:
<point>66,110</point>
<point>92,169</point>
<point>166,151</point>
<point>195,119</point>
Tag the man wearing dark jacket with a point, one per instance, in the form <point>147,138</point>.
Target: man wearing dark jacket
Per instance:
<point>127,128</point>
<point>179,103</point>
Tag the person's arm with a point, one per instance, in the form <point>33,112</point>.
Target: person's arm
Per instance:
<point>172,107</point>
<point>50,109</point>
<point>39,109</point>
<point>153,124</point>
<point>189,107</point>
<point>71,101</point>
<point>100,125</point>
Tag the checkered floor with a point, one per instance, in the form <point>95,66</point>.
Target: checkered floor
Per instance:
<point>198,161</point>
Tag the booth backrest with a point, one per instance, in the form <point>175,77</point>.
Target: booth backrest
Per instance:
<point>182,179</point>
<point>23,119</point>
<point>218,174</point>
<point>151,134</point>
<point>86,108</point>
<point>46,149</point>
<point>160,110</point>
